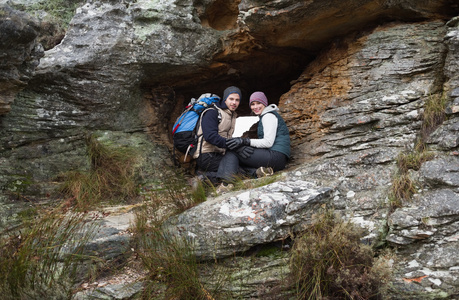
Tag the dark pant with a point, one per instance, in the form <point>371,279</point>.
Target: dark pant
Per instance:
<point>208,164</point>
<point>232,164</point>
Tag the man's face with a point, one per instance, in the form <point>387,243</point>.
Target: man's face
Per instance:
<point>233,101</point>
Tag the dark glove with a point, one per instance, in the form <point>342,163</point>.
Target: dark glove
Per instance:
<point>244,151</point>
<point>234,143</point>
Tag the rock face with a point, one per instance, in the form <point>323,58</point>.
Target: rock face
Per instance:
<point>354,81</point>
<point>357,93</point>
<point>20,54</point>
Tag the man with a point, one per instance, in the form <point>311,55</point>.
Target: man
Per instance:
<point>216,126</point>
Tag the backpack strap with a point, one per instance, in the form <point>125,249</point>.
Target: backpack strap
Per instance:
<point>198,125</point>
<point>181,118</point>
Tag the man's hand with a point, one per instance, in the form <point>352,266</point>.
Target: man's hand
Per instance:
<point>235,143</point>
<point>244,151</point>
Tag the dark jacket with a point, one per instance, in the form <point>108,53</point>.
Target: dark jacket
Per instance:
<point>216,128</point>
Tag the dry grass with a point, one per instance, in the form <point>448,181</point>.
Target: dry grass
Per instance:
<point>414,159</point>
<point>39,259</point>
<point>329,261</point>
<point>169,259</point>
<point>111,177</point>
<point>403,188</point>
<point>434,113</point>
<point>246,183</point>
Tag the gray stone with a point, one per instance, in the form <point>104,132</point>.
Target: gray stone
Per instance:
<point>233,223</point>
<point>425,218</point>
<point>111,239</point>
<point>442,171</point>
<point>110,291</point>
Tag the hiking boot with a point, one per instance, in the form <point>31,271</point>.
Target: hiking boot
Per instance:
<point>224,188</point>
<point>196,181</point>
<point>264,171</point>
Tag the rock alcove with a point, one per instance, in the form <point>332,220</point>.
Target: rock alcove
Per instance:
<point>271,73</point>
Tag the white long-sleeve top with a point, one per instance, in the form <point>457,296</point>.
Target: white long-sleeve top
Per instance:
<point>269,122</point>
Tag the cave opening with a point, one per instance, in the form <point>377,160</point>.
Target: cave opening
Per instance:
<point>271,72</point>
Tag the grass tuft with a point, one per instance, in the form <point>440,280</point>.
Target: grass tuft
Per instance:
<point>111,176</point>
<point>40,259</point>
<point>328,261</point>
<point>403,187</point>
<point>170,260</point>
<point>245,183</point>
<point>414,159</point>
<point>434,113</point>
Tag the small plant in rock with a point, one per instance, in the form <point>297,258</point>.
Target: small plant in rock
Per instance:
<point>414,159</point>
<point>403,188</point>
<point>39,259</point>
<point>176,192</point>
<point>199,193</point>
<point>434,113</point>
<point>111,177</point>
<point>328,261</point>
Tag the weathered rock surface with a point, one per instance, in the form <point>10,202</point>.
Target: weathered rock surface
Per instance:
<point>368,93</point>
<point>362,70</point>
<point>359,130</point>
<point>111,245</point>
<point>20,53</point>
<point>235,223</point>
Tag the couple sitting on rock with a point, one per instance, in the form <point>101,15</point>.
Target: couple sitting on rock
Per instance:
<point>221,157</point>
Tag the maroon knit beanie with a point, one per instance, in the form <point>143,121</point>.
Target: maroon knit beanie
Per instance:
<point>260,97</point>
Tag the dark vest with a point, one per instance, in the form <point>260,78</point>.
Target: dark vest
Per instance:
<point>282,141</point>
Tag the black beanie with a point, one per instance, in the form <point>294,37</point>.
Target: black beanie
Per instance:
<point>231,90</point>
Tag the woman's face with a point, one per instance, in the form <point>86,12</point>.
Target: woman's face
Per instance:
<point>257,107</point>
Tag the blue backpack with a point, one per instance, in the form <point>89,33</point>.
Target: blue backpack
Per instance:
<point>184,131</point>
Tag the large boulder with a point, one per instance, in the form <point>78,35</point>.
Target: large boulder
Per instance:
<point>231,224</point>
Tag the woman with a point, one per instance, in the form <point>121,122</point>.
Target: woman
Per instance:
<point>265,155</point>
